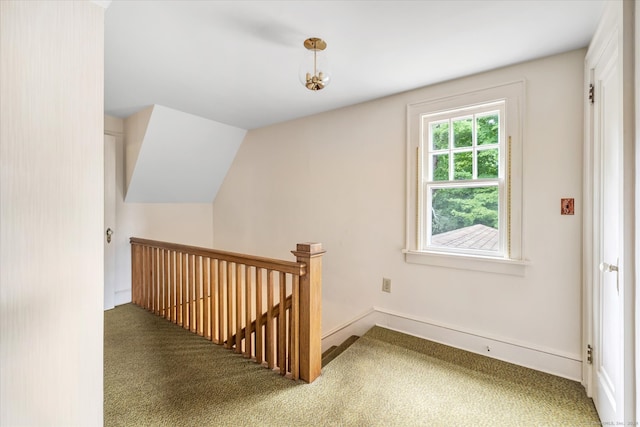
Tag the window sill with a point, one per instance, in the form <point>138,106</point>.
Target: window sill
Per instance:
<point>512,267</point>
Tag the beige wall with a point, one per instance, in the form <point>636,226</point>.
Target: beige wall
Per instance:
<point>51,211</point>
<point>186,223</point>
<point>339,178</point>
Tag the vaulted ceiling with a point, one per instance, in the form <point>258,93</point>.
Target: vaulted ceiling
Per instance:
<point>236,62</point>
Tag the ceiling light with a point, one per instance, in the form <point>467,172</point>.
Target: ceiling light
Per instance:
<point>314,70</point>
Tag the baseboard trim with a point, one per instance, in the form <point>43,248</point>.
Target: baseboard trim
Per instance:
<point>519,353</point>
<point>356,326</point>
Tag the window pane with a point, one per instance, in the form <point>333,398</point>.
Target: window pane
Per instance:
<point>488,127</point>
<point>440,167</point>
<point>440,135</point>
<point>462,133</point>
<point>463,165</point>
<point>465,218</point>
<point>488,163</point>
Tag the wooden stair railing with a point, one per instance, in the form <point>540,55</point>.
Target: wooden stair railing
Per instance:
<point>235,300</point>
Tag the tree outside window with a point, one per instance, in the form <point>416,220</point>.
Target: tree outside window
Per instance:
<point>463,185</point>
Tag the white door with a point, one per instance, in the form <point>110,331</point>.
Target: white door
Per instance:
<point>109,221</point>
<point>608,295</point>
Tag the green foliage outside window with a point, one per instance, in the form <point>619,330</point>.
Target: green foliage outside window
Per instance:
<point>454,208</point>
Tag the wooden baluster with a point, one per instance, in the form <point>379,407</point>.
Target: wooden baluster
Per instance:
<point>150,279</point>
<point>197,283</point>
<point>185,289</point>
<point>276,340</point>
<point>157,258</point>
<point>161,282</point>
<point>167,285</point>
<point>157,271</point>
<point>282,324</point>
<point>288,311</point>
<point>310,310</point>
<point>269,344</point>
<point>158,285</point>
<point>229,304</point>
<point>248,348</point>
<point>239,282</point>
<point>176,287</point>
<point>154,278</point>
<point>215,285</point>
<point>179,292</point>
<point>192,290</point>
<point>157,268</point>
<point>147,277</point>
<point>259,357</point>
<point>169,289</point>
<point>142,281</point>
<point>172,286</point>
<point>206,289</point>
<point>134,285</point>
<point>222,285</point>
<point>295,327</point>
<point>160,270</point>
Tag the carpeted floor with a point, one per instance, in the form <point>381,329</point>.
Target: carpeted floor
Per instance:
<point>158,374</point>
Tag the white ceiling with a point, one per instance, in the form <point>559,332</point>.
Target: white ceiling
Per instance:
<point>236,62</point>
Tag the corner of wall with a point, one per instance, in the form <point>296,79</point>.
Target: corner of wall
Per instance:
<point>113,125</point>
<point>135,127</point>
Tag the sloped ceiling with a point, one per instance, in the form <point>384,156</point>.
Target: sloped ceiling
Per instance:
<point>178,157</point>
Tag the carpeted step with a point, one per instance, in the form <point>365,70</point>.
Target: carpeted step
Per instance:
<point>335,351</point>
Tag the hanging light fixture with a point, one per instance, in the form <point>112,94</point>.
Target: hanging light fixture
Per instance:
<point>314,71</point>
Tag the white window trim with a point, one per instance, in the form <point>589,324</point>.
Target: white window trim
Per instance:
<point>513,262</point>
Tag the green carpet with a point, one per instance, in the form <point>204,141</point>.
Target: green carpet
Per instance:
<point>158,374</point>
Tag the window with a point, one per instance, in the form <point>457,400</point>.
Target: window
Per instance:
<point>464,180</point>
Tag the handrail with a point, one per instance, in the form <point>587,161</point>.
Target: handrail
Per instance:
<point>262,262</point>
<point>236,300</point>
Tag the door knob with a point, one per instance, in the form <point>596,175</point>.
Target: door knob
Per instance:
<point>608,268</point>
<point>109,233</point>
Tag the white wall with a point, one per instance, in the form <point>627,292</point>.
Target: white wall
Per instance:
<point>51,212</point>
<point>185,223</point>
<point>339,178</point>
<point>181,158</point>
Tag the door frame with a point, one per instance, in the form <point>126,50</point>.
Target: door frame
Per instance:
<point>110,191</point>
<point>617,21</point>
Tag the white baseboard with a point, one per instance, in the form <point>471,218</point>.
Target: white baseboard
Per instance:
<point>522,354</point>
<point>356,326</point>
<point>122,297</point>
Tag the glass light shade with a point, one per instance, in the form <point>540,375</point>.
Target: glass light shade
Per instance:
<point>314,72</point>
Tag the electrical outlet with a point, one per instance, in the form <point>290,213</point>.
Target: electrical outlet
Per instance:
<point>386,285</point>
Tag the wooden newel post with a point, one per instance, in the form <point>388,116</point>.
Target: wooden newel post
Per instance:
<point>310,310</point>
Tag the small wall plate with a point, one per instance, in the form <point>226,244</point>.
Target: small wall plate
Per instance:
<point>566,207</point>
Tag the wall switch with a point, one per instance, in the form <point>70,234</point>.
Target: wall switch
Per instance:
<point>386,285</point>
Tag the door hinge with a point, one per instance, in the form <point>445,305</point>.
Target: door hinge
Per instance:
<point>589,354</point>
<point>591,93</point>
